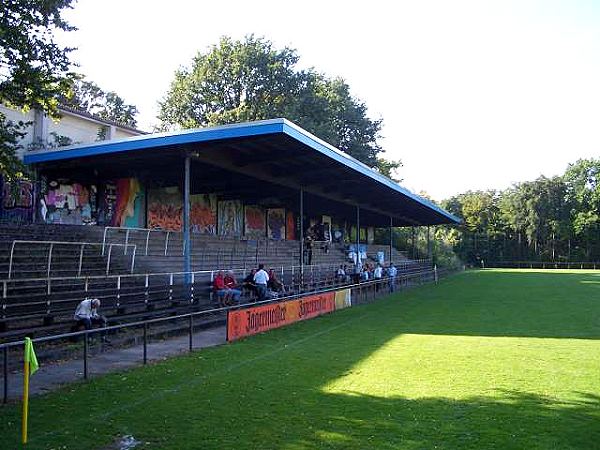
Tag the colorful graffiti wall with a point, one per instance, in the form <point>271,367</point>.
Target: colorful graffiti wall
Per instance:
<point>290,227</point>
<point>165,208</point>
<point>128,205</point>
<point>17,201</point>
<point>255,225</point>
<point>203,213</point>
<point>276,223</point>
<point>68,203</point>
<point>230,217</point>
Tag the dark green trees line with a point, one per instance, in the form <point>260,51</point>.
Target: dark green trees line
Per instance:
<point>548,219</point>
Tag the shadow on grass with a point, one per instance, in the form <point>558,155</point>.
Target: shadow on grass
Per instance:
<point>513,420</point>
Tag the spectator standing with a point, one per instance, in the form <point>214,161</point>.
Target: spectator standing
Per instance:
<point>392,273</point>
<point>340,274</point>
<point>377,275</point>
<point>261,278</point>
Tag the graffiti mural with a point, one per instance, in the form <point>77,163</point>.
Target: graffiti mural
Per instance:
<point>276,223</point>
<point>127,192</point>
<point>165,207</point>
<point>203,213</point>
<point>255,225</point>
<point>231,217</point>
<point>290,226</point>
<point>17,204</point>
<point>69,203</point>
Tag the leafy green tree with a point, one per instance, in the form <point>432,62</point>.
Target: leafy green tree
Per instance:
<point>237,81</point>
<point>88,96</point>
<point>34,69</point>
<point>583,181</point>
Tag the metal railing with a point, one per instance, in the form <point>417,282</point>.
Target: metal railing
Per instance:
<point>363,292</point>
<point>51,245</point>
<point>542,264</point>
<point>51,296</point>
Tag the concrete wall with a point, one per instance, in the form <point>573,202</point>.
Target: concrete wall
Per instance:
<point>16,116</point>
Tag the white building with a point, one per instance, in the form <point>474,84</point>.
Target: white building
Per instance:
<point>78,127</point>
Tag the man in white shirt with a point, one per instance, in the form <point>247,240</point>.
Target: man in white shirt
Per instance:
<point>392,272</point>
<point>87,315</point>
<point>261,278</point>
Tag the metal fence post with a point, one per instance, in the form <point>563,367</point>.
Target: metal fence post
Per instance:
<point>80,260</point>
<point>50,258</point>
<point>5,369</point>
<point>85,355</point>
<point>145,342</point>
<point>126,241</point>
<point>191,324</point>
<point>147,239</point>
<point>110,247</point>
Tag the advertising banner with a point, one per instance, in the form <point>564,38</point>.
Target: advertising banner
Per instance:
<point>343,299</point>
<point>246,322</point>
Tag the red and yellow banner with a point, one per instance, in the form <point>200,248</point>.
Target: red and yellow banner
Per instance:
<point>246,322</point>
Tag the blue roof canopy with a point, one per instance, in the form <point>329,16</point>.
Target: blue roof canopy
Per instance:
<point>293,154</point>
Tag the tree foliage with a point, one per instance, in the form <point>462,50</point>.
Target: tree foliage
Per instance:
<point>237,81</point>
<point>88,96</point>
<point>34,69</point>
<point>551,219</point>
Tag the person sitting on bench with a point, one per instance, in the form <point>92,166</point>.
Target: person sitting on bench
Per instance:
<point>223,292</point>
<point>86,315</point>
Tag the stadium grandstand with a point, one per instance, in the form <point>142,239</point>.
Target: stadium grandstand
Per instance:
<point>144,223</point>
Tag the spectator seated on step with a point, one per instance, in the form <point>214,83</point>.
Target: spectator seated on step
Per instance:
<point>249,285</point>
<point>86,315</point>
<point>274,284</point>
<point>224,293</point>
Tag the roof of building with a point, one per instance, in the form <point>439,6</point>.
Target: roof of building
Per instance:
<point>275,151</point>
<point>88,115</point>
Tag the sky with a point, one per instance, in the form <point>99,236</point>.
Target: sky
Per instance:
<point>473,94</point>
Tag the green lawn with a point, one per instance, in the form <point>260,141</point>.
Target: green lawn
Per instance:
<point>488,359</point>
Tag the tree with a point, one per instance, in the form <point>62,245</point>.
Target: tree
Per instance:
<point>88,96</point>
<point>238,81</point>
<point>34,69</point>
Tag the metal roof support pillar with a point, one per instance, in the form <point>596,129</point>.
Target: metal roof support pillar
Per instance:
<point>301,231</point>
<point>358,263</point>
<point>391,238</point>
<point>187,245</point>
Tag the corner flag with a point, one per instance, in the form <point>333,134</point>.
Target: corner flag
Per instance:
<point>30,357</point>
<point>30,366</point>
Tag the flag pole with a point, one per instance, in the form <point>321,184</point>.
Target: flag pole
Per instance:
<point>25,398</point>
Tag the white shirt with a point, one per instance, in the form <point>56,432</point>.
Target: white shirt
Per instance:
<point>392,271</point>
<point>85,310</point>
<point>378,272</point>
<point>261,277</point>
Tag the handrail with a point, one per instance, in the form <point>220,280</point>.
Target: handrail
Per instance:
<point>177,273</point>
<point>362,284</point>
<point>52,244</point>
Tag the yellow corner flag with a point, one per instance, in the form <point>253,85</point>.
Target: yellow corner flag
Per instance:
<point>30,358</point>
<point>31,365</point>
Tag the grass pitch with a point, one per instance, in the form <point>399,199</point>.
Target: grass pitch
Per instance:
<point>488,359</point>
